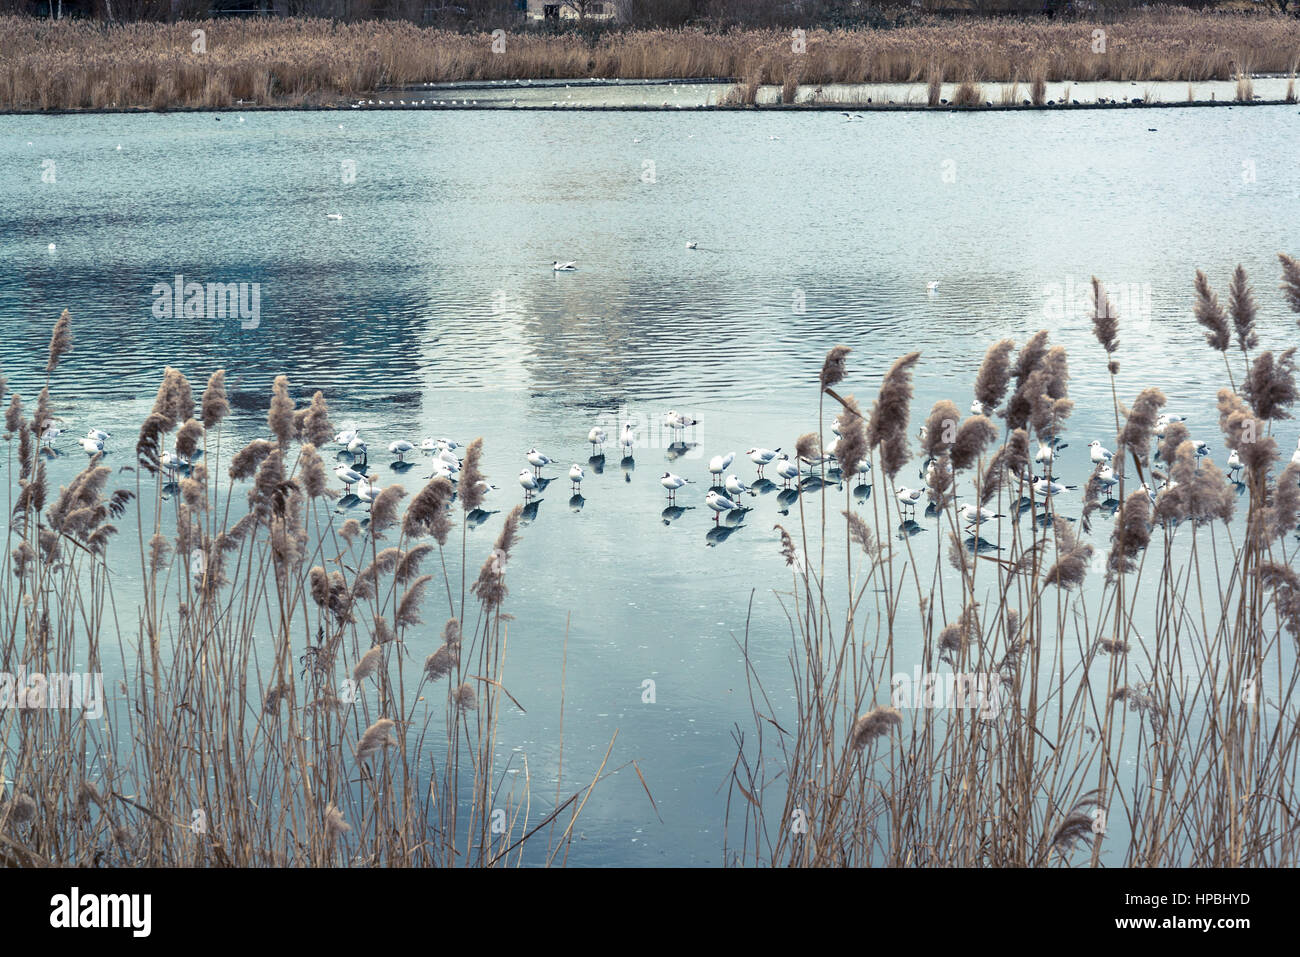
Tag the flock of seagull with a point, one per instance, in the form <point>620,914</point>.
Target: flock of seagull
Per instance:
<point>727,490</point>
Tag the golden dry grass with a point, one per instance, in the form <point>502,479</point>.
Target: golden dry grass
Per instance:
<point>76,64</point>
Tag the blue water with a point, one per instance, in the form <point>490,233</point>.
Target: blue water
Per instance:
<point>430,308</point>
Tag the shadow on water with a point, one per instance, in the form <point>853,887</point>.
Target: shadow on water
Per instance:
<point>597,463</point>
<point>576,502</point>
<point>477,517</point>
<point>720,533</point>
<point>785,498</point>
<point>673,512</point>
<point>529,514</point>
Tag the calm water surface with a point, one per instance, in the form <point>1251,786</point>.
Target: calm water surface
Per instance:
<point>431,309</point>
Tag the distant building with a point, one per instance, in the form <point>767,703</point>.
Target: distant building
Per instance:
<point>572,9</point>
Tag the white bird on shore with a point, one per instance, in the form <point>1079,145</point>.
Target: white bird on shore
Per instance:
<point>761,458</point>
<point>441,470</point>
<point>597,438</point>
<point>348,476</point>
<point>672,483</point>
<point>1099,454</point>
<point>719,504</point>
<point>172,461</point>
<point>735,486</point>
<point>977,514</point>
<point>1047,488</point>
<point>576,475</point>
<point>1164,420</point>
<point>537,460</point>
<point>92,445</point>
<point>1106,477</point>
<point>787,470</point>
<point>908,497</point>
<point>367,489</point>
<point>528,483</point>
<point>570,266</point>
<point>678,422</point>
<point>400,448</point>
<point>720,463</point>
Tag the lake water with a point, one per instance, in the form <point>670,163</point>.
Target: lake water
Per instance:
<point>431,308</point>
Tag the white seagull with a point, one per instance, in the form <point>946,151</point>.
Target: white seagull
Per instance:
<point>735,486</point>
<point>575,475</point>
<point>719,504</point>
<point>92,445</point>
<point>787,470</point>
<point>908,497</point>
<point>761,457</point>
<point>629,436</point>
<point>400,448</point>
<point>564,267</point>
<point>537,460</point>
<point>348,476</point>
<point>678,422</point>
<point>976,514</point>
<point>1234,462</point>
<point>1099,454</point>
<point>99,435</point>
<point>1106,477</point>
<point>597,438</point>
<point>528,482</point>
<point>720,463</point>
<point>672,483</point>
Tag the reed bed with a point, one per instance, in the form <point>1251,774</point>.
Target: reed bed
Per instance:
<point>1173,744</point>
<point>280,700</point>
<point>74,64</point>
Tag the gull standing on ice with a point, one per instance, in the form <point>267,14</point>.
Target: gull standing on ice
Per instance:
<point>761,458</point>
<point>719,504</point>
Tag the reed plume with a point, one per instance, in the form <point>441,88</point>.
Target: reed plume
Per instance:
<point>887,427</point>
<point>1270,386</point>
<point>1290,281</point>
<point>1105,321</point>
<point>60,341</point>
<point>376,737</point>
<point>994,375</point>
<point>876,723</point>
<point>427,513</point>
<point>473,484</point>
<point>1211,315</point>
<point>280,416</point>
<point>833,368</point>
<point>1241,304</point>
<point>940,428</point>
<point>214,405</point>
